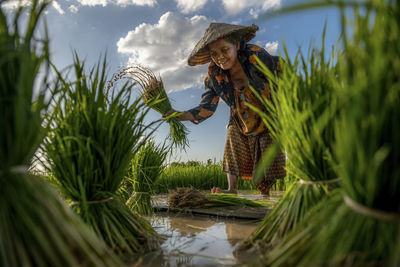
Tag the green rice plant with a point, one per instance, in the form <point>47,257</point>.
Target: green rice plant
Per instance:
<point>190,197</point>
<point>146,167</point>
<point>93,138</point>
<point>360,226</point>
<point>285,183</point>
<point>221,200</point>
<point>36,227</point>
<point>202,177</point>
<point>301,119</point>
<point>154,95</point>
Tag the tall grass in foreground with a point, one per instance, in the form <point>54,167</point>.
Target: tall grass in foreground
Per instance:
<point>202,177</point>
<point>360,225</point>
<point>92,140</point>
<point>146,167</point>
<point>302,121</point>
<point>36,227</point>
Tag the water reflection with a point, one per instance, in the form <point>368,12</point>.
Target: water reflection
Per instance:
<point>201,240</point>
<point>189,225</point>
<point>197,241</point>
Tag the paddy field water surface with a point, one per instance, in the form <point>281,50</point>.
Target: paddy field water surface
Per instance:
<point>198,240</point>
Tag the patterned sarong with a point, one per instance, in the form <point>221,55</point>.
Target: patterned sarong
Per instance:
<point>243,152</point>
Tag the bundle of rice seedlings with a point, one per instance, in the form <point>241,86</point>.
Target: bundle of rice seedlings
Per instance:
<point>92,140</point>
<point>360,226</point>
<point>36,227</point>
<point>146,167</point>
<point>154,95</point>
<point>220,200</point>
<point>191,197</point>
<point>302,121</point>
<point>186,197</point>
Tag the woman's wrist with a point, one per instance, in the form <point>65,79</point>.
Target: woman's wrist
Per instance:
<point>186,116</point>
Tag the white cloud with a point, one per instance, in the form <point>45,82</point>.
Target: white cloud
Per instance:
<point>57,6</point>
<point>254,13</point>
<point>272,48</point>
<point>14,4</point>
<point>104,3</point>
<point>164,48</point>
<point>234,7</point>
<point>121,3</point>
<point>73,9</point>
<point>187,6</point>
<point>93,2</point>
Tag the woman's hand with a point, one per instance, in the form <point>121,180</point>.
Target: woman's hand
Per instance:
<point>184,116</point>
<point>169,113</point>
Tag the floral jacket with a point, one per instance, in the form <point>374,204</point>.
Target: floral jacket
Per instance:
<point>218,83</point>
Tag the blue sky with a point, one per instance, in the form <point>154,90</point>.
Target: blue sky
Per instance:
<point>160,34</point>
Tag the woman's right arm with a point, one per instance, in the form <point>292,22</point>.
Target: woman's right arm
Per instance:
<point>206,108</point>
<point>185,116</point>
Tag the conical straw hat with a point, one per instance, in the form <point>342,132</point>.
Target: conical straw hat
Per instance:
<point>200,54</point>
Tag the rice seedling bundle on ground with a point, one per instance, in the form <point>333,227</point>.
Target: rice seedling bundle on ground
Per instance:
<point>36,226</point>
<point>360,225</point>
<point>189,197</point>
<point>92,141</point>
<point>302,122</point>
<point>154,95</point>
<point>146,167</point>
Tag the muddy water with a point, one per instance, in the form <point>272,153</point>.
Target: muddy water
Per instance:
<point>197,241</point>
<point>201,240</point>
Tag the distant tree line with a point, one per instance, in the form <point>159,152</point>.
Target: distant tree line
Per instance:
<point>194,163</point>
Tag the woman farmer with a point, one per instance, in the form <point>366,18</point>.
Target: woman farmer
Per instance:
<point>231,72</point>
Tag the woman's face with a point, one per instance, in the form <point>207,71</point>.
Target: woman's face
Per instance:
<point>224,53</point>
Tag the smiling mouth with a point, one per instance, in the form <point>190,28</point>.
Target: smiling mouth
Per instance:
<point>223,62</point>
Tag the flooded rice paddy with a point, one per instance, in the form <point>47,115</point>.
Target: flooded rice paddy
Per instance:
<point>200,240</point>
